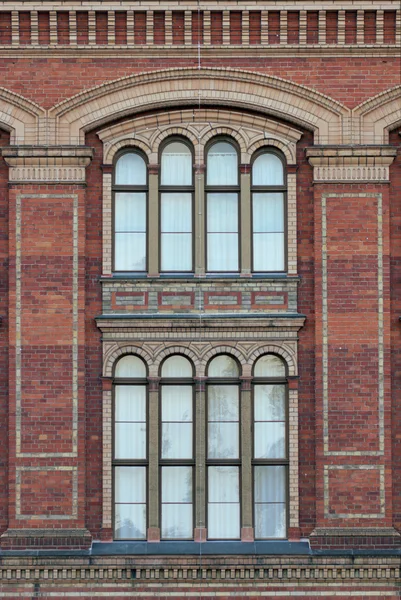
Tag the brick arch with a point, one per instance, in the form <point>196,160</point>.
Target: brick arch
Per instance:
<point>287,149</point>
<point>377,116</point>
<point>21,117</point>
<point>170,132</point>
<point>284,353</point>
<point>231,132</point>
<point>226,349</point>
<point>165,352</point>
<point>126,143</point>
<point>244,90</point>
<point>115,353</point>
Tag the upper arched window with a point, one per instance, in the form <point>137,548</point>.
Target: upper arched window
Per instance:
<point>130,212</point>
<point>268,212</point>
<point>222,207</point>
<point>176,207</point>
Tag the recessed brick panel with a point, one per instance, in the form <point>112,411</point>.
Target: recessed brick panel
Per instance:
<point>354,492</point>
<point>46,493</point>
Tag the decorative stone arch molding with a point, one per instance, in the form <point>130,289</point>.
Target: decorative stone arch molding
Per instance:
<point>22,118</point>
<point>376,117</point>
<point>244,90</point>
<point>287,354</point>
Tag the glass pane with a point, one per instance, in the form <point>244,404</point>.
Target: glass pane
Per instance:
<point>269,402</point>
<point>176,165</point>
<point>130,251</point>
<point>222,213</point>
<point>223,366</point>
<point>131,170</point>
<point>176,213</point>
<point>177,366</point>
<point>130,403</point>
<point>177,521</point>
<point>268,252</point>
<point>176,251</point>
<point>269,365</point>
<point>177,440</point>
<point>223,521</point>
<point>222,164</point>
<point>222,252</point>
<point>130,366</point>
<point>130,521</point>
<point>176,484</point>
<point>268,213</point>
<point>130,213</point>
<point>223,404</point>
<point>270,440</point>
<point>223,440</point>
<point>270,484</point>
<point>130,440</point>
<point>130,484</point>
<point>223,484</point>
<point>270,521</point>
<point>267,170</point>
<point>177,403</point>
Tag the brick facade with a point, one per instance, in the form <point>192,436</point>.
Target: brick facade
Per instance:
<point>319,85</point>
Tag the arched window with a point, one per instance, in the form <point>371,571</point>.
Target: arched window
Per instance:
<point>130,212</point>
<point>223,448</point>
<point>177,448</point>
<point>222,207</point>
<point>268,212</point>
<point>270,447</point>
<point>130,448</point>
<point>176,207</point>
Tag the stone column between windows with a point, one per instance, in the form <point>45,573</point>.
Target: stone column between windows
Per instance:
<point>200,459</point>
<point>199,220</point>
<point>153,469</point>
<point>245,212</point>
<point>247,533</point>
<point>153,221</point>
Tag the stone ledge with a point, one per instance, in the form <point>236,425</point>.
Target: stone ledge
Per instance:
<point>21,539</point>
<point>370,538</point>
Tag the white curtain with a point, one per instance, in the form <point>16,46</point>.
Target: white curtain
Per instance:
<point>222,232</point>
<point>131,170</point>
<point>177,503</point>
<point>130,366</point>
<point>269,427</point>
<point>223,421</point>
<point>176,167</point>
<point>177,366</point>
<point>177,423</point>
<point>223,503</point>
<point>223,366</point>
<point>130,499</point>
<point>270,501</point>
<point>176,232</point>
<point>222,165</point>
<point>130,232</point>
<point>269,365</point>
<point>267,170</point>
<point>268,232</point>
<point>130,421</point>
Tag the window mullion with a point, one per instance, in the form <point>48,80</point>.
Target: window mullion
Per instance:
<point>246,460</point>
<point>245,215</point>
<point>153,237</point>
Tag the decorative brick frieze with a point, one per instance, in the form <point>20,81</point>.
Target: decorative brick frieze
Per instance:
<point>351,164</point>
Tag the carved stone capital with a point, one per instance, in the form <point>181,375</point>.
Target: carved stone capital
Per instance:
<point>47,164</point>
<point>351,163</point>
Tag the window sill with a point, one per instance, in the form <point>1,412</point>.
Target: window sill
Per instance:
<point>272,547</point>
<point>190,277</point>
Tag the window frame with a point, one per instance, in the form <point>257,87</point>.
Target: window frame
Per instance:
<point>125,462</point>
<point>118,188</point>
<point>210,189</point>
<point>177,462</point>
<point>165,189</point>
<point>216,462</point>
<point>255,462</point>
<point>270,189</point>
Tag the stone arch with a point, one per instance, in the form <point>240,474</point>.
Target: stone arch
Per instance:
<point>126,143</point>
<point>226,349</point>
<point>172,131</point>
<point>377,116</point>
<point>284,353</point>
<point>287,149</point>
<point>115,353</point>
<point>244,90</point>
<point>22,118</point>
<point>231,132</point>
<point>169,351</point>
